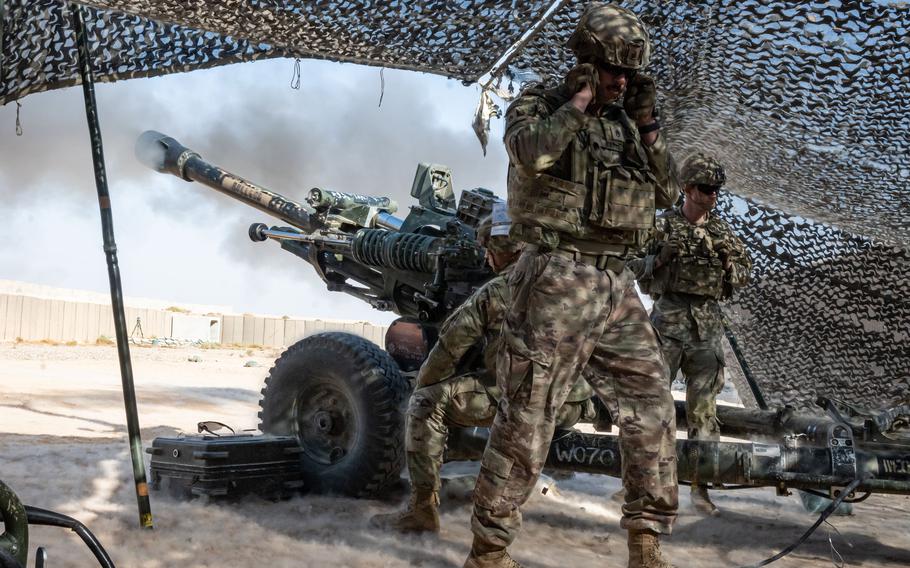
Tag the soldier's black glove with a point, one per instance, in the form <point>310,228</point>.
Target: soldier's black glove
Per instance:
<point>641,96</point>
<point>581,75</point>
<point>668,251</point>
<point>724,253</point>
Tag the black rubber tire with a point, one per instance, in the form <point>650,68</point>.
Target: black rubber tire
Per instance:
<point>343,397</point>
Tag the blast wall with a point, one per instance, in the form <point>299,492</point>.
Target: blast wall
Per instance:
<point>31,318</point>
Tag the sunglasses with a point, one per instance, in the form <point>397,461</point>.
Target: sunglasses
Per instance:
<point>616,70</point>
<point>708,189</point>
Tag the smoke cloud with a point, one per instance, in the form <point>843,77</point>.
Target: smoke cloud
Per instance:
<point>331,133</point>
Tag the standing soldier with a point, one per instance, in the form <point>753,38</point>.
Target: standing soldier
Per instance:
<point>695,262</point>
<point>587,170</point>
<point>443,399</point>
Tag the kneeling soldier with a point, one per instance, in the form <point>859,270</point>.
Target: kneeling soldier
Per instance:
<point>442,399</point>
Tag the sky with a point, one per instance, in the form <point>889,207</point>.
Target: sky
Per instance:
<point>186,243</point>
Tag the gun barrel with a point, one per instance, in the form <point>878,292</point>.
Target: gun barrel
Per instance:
<point>166,155</point>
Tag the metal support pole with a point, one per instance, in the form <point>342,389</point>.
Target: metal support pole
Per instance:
<point>747,371</point>
<point>113,270</point>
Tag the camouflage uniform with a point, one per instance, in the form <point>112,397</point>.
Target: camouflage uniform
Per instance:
<point>443,400</point>
<point>687,290</point>
<point>582,192</point>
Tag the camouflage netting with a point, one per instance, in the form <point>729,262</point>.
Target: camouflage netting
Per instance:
<point>828,312</point>
<point>461,39</point>
<point>807,103</point>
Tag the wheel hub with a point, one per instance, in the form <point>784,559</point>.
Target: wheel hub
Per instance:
<point>326,423</point>
<point>323,421</point>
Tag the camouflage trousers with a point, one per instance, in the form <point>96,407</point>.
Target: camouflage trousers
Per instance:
<point>566,315</point>
<point>702,364</point>
<point>462,401</point>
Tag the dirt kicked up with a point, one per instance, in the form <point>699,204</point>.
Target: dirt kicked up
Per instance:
<point>63,447</point>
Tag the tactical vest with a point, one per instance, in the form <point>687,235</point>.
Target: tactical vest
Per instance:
<point>698,268</point>
<point>600,191</point>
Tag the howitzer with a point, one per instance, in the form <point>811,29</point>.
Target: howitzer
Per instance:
<point>342,395</point>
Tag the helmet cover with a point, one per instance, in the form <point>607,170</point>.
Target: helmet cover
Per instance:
<point>611,34</point>
<point>702,169</point>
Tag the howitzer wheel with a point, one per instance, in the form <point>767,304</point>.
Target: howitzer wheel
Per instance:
<point>342,396</point>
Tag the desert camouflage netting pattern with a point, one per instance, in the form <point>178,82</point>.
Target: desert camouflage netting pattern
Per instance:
<point>806,103</point>
<point>827,312</point>
<point>461,39</point>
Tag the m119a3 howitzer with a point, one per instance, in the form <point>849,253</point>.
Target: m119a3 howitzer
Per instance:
<point>342,395</point>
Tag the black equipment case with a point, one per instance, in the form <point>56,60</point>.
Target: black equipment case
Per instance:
<point>226,466</point>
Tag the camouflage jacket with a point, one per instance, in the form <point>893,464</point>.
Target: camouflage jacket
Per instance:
<point>547,136</point>
<point>478,321</point>
<point>688,287</point>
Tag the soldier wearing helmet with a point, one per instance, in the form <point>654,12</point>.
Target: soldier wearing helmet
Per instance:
<point>695,262</point>
<point>588,168</point>
<point>453,393</point>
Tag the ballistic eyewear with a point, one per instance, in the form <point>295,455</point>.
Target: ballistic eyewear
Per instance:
<point>616,70</point>
<point>708,189</point>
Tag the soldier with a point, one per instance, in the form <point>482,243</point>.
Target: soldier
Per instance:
<point>443,399</point>
<point>587,168</point>
<point>695,262</point>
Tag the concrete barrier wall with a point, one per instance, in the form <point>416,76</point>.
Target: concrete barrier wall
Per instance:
<point>257,330</point>
<point>36,319</point>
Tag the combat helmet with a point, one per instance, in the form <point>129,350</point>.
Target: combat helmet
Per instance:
<point>702,169</point>
<point>610,34</point>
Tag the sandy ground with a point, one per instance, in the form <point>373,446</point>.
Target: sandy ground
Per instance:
<point>63,447</point>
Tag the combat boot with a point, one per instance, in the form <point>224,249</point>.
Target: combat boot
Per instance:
<point>421,514</point>
<point>644,550</point>
<point>702,503</point>
<point>498,559</point>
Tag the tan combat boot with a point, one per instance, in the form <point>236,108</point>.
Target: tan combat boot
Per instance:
<point>644,550</point>
<point>421,515</point>
<point>498,559</point>
<point>702,503</point>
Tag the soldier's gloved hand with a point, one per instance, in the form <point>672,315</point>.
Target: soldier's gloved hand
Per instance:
<point>640,98</point>
<point>582,75</point>
<point>582,80</point>
<point>668,251</point>
<point>724,253</point>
